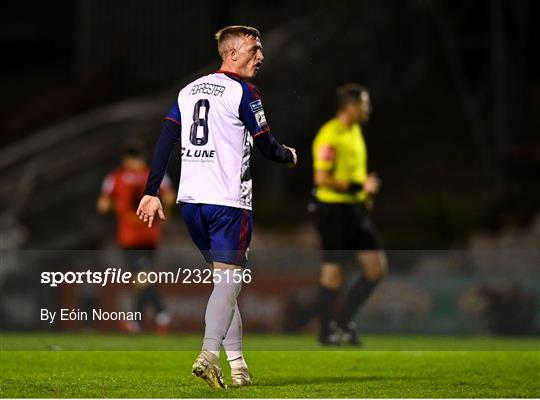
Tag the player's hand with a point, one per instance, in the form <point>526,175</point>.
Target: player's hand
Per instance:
<point>372,184</point>
<point>295,158</point>
<point>147,209</point>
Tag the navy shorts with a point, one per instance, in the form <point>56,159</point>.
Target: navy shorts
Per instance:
<point>221,233</point>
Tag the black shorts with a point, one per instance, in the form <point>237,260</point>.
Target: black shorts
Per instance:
<point>345,229</point>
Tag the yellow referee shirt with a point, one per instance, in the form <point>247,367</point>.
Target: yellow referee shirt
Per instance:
<point>342,151</point>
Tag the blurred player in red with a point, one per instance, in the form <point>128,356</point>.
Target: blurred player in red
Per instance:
<point>121,191</point>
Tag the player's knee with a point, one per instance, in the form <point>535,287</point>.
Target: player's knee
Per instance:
<point>375,266</point>
<point>331,276</point>
<point>381,271</point>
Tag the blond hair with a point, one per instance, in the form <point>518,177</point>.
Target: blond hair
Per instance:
<point>224,35</point>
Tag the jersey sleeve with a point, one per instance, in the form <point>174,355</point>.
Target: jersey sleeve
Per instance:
<point>174,113</point>
<point>107,186</point>
<point>251,110</point>
<point>324,150</point>
<point>170,134</point>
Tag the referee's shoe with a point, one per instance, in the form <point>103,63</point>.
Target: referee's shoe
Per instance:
<point>336,336</point>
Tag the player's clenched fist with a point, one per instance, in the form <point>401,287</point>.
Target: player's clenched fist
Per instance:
<point>147,209</point>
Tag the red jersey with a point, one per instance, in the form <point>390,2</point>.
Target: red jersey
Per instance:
<point>126,188</point>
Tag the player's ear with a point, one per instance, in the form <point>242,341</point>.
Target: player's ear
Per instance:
<point>234,54</point>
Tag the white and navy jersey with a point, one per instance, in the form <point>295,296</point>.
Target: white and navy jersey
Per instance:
<point>220,115</point>
<point>217,118</point>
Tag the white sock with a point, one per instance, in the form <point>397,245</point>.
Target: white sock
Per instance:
<point>233,355</point>
<point>233,341</point>
<point>238,363</point>
<point>220,310</point>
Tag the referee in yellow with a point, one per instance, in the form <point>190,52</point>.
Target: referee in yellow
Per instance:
<point>344,189</point>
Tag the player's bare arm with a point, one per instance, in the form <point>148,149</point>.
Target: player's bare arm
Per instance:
<point>324,178</point>
<point>168,198</point>
<point>104,204</point>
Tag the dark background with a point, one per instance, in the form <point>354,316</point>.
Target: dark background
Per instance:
<point>454,134</point>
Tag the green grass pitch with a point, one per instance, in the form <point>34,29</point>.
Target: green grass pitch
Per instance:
<point>109,365</point>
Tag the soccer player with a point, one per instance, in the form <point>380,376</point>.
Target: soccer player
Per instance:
<point>120,192</point>
<point>344,191</point>
<point>217,119</point>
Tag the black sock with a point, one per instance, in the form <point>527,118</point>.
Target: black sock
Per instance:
<point>357,295</point>
<point>154,298</point>
<point>327,299</point>
<point>149,296</point>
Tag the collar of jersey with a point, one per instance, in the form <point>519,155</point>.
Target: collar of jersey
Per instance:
<point>232,74</point>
